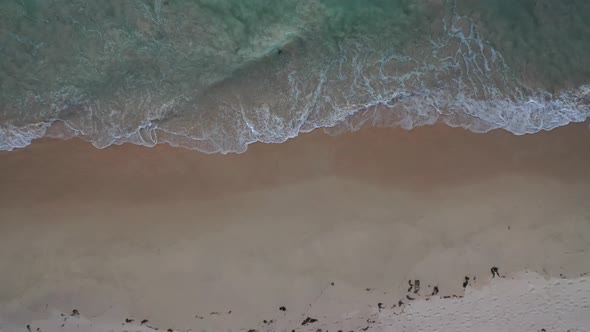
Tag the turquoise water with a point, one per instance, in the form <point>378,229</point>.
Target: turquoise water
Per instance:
<point>217,75</point>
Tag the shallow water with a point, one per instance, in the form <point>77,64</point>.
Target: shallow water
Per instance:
<point>217,75</point>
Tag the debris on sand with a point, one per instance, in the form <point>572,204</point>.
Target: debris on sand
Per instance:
<point>466,282</point>
<point>308,320</point>
<point>435,290</point>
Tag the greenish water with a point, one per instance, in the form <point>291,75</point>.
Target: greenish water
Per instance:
<point>217,75</point>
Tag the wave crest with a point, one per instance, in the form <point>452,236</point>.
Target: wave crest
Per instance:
<point>456,78</point>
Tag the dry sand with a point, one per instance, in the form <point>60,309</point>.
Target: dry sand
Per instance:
<point>218,243</point>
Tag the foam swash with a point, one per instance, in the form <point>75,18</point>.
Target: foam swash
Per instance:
<point>218,75</point>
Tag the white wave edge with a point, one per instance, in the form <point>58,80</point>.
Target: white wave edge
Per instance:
<point>518,117</point>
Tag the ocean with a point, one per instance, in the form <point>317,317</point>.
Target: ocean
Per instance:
<point>218,75</point>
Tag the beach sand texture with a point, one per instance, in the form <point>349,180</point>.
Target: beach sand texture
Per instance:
<point>336,229</point>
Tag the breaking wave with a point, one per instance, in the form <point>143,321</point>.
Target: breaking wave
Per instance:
<point>142,85</point>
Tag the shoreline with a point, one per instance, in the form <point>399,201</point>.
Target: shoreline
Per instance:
<point>171,234</point>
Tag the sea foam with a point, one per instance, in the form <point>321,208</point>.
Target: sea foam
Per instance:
<point>273,93</point>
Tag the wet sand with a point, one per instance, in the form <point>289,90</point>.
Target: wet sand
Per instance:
<point>326,227</point>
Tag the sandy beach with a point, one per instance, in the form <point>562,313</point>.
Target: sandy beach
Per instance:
<point>334,229</point>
